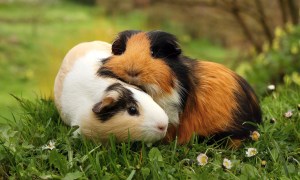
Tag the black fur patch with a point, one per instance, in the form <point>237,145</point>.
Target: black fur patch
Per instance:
<point>123,103</point>
<point>119,45</point>
<point>105,60</point>
<point>105,72</point>
<point>248,115</point>
<point>183,70</point>
<point>164,46</point>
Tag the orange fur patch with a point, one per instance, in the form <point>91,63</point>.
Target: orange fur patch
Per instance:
<point>209,108</point>
<point>137,57</point>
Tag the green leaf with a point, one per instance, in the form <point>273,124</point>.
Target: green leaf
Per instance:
<point>59,161</point>
<point>73,175</point>
<point>249,171</point>
<point>155,155</point>
<point>26,145</point>
<point>243,177</point>
<point>291,168</point>
<point>145,172</point>
<point>7,132</point>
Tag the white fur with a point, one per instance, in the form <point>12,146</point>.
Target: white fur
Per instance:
<point>82,89</point>
<point>170,103</point>
<point>154,116</point>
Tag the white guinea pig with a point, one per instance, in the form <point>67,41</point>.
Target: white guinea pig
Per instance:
<point>101,106</point>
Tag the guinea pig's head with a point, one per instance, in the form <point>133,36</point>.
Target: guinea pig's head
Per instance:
<point>125,111</point>
<point>145,59</point>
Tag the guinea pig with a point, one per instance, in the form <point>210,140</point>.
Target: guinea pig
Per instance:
<point>200,97</point>
<point>102,106</point>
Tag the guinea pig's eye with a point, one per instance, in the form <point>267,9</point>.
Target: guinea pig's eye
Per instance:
<point>132,111</point>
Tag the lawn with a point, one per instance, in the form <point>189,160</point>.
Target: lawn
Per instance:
<point>25,149</point>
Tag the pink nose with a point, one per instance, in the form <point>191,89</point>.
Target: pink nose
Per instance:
<point>161,127</point>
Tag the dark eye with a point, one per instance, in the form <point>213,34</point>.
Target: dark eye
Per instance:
<point>132,111</point>
<point>154,51</point>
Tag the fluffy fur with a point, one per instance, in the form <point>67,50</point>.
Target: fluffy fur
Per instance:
<point>102,106</point>
<point>199,97</point>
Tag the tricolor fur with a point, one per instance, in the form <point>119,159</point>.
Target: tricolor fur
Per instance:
<point>199,97</point>
<point>102,106</point>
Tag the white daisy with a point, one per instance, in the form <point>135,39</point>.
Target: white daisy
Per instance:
<point>202,159</point>
<point>227,163</point>
<point>288,114</point>
<point>50,145</point>
<point>255,135</point>
<point>251,152</point>
<point>271,87</point>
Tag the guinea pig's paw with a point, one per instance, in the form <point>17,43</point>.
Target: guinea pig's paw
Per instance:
<point>76,133</point>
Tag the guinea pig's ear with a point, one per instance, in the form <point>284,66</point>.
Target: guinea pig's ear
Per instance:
<point>107,101</point>
<point>119,45</point>
<point>163,45</point>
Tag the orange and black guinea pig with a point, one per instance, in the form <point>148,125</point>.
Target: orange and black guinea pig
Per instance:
<point>200,97</point>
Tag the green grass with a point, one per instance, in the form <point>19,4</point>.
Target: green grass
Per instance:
<point>22,156</point>
<point>35,37</point>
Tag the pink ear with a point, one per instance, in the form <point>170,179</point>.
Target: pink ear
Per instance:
<point>107,101</point>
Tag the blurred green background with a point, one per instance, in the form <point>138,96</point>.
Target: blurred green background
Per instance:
<point>259,39</point>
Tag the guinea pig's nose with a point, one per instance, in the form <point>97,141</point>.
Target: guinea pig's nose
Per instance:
<point>162,127</point>
<point>133,73</point>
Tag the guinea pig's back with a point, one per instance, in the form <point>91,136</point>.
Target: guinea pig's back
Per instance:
<point>224,101</point>
<point>78,70</point>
